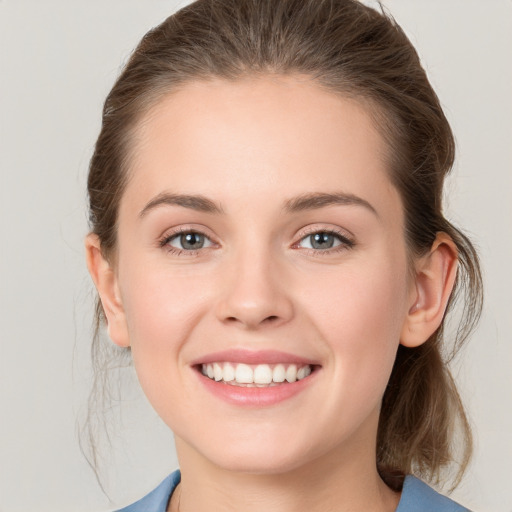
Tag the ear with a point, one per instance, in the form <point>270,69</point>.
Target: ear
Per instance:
<point>434,280</point>
<point>105,279</point>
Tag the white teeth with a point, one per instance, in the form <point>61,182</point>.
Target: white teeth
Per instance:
<point>291,373</point>
<point>279,373</point>
<point>303,372</point>
<point>244,374</point>
<point>260,375</point>
<point>217,371</point>
<point>229,373</point>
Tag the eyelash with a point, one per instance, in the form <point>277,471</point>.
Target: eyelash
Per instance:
<point>345,242</point>
<point>164,242</point>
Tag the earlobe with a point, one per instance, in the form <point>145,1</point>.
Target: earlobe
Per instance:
<point>434,281</point>
<point>106,283</point>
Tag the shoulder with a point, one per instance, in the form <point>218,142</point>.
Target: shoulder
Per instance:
<point>158,499</point>
<point>417,496</point>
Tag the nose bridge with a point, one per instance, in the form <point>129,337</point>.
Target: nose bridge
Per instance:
<point>253,289</point>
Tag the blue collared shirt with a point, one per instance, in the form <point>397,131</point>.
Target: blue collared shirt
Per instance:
<point>417,496</point>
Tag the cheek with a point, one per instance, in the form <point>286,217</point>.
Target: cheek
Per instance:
<point>368,298</point>
<point>162,308</point>
<point>361,317</point>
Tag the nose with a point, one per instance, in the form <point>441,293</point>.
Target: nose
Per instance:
<point>254,293</point>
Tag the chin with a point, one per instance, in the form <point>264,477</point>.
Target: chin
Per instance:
<point>255,458</point>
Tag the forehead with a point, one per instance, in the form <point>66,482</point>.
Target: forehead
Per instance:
<point>267,135</point>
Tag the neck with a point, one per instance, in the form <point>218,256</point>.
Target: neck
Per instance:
<point>342,480</point>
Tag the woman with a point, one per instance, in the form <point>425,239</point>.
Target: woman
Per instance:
<point>268,241</point>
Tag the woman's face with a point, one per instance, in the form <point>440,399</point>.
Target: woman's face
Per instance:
<point>259,232</point>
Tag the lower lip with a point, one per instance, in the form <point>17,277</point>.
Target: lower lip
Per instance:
<point>254,396</point>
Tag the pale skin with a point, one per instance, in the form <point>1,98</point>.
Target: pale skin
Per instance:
<point>254,148</point>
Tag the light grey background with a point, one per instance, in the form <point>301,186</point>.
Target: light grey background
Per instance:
<point>58,60</point>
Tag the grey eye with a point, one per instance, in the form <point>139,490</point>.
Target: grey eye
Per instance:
<point>189,241</point>
<point>322,240</point>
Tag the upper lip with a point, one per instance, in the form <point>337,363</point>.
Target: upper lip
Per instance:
<point>253,357</point>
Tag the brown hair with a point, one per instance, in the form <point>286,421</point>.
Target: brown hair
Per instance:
<point>349,49</point>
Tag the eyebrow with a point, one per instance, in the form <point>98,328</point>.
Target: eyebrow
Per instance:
<point>194,202</point>
<point>308,201</point>
<point>316,200</point>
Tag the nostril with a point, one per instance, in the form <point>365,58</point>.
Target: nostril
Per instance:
<point>268,319</point>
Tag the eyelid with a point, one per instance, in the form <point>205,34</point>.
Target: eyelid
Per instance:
<point>169,234</point>
<point>325,228</point>
<point>346,238</point>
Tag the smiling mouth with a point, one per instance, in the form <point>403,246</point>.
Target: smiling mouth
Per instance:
<point>260,375</point>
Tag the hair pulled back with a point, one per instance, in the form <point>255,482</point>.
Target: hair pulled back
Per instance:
<point>354,51</point>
